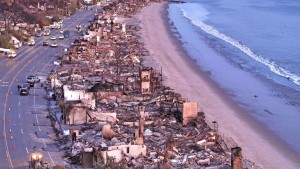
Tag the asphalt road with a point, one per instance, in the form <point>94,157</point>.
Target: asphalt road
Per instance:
<point>24,123</point>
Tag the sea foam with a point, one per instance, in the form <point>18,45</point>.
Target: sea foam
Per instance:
<point>197,15</point>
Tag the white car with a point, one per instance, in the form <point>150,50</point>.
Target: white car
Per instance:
<point>38,34</point>
<point>53,37</point>
<point>47,32</point>
<point>54,45</point>
<point>61,31</point>
<point>61,37</point>
<point>33,79</point>
<point>12,55</point>
<point>57,62</point>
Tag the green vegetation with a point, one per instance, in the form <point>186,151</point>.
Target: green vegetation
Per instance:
<point>5,38</point>
<point>60,3</point>
<point>4,42</point>
<point>78,4</point>
<point>19,35</point>
<point>44,22</point>
<point>55,19</point>
<point>72,8</point>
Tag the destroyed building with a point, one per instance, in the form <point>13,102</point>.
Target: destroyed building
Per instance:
<point>111,107</point>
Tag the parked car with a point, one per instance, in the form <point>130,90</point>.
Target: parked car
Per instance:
<point>45,43</point>
<point>53,37</point>
<point>61,37</point>
<point>54,45</point>
<point>90,19</point>
<point>24,91</point>
<point>12,54</point>
<point>66,33</point>
<point>47,32</point>
<point>33,79</point>
<point>31,84</point>
<point>57,62</point>
<point>31,41</point>
<point>78,26</point>
<point>25,85</point>
<point>38,34</point>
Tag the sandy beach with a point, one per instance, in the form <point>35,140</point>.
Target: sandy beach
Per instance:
<point>182,74</point>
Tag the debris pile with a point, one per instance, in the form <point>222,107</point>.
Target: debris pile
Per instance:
<point>113,110</point>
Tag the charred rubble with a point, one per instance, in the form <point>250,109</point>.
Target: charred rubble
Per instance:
<point>110,107</point>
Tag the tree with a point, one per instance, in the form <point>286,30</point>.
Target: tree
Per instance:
<point>78,4</point>
<point>44,22</point>
<point>9,2</point>
<point>7,14</point>
<point>72,8</point>
<point>59,3</point>
<point>19,35</point>
<point>4,42</point>
<point>55,18</point>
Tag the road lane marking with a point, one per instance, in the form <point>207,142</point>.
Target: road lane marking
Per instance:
<point>27,150</point>
<point>4,110</point>
<point>19,115</point>
<point>19,103</point>
<point>47,63</point>
<point>34,100</point>
<point>22,131</point>
<point>51,158</point>
<point>44,143</point>
<point>27,54</point>
<point>4,130</point>
<point>37,120</point>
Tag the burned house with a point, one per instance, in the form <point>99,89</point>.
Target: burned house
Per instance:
<point>121,111</point>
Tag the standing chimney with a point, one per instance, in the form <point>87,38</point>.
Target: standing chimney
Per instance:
<point>236,158</point>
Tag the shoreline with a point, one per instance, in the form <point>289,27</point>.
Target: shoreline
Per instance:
<point>170,55</point>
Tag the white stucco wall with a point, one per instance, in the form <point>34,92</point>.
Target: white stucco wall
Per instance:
<point>73,95</point>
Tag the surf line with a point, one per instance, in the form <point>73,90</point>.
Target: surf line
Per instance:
<point>270,64</point>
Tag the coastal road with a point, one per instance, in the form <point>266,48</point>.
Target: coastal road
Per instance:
<point>24,123</point>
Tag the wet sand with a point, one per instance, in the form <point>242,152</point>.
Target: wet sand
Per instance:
<point>181,73</point>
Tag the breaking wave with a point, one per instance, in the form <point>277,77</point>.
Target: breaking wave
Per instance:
<point>198,21</point>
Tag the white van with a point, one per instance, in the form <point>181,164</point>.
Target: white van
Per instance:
<point>31,41</point>
<point>12,54</point>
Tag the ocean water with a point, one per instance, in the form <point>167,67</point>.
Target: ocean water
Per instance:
<point>251,49</point>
